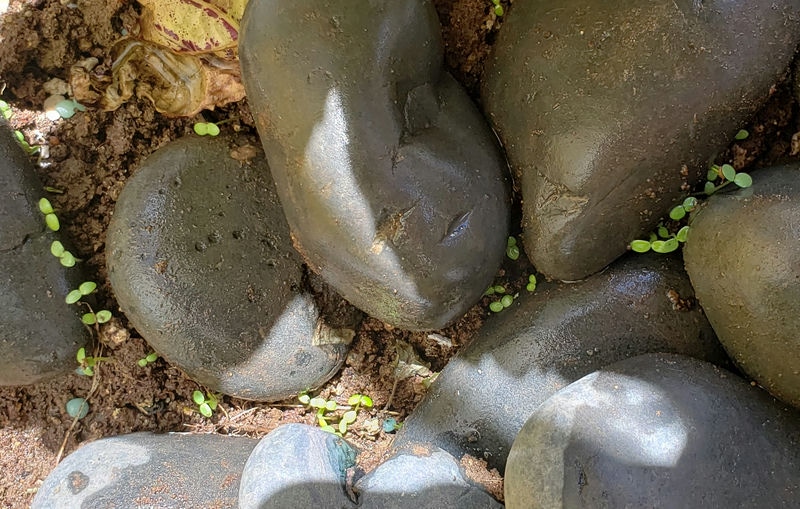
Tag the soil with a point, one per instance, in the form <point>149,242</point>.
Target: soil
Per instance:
<point>88,159</point>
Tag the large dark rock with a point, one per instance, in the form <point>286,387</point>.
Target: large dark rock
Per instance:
<point>549,339</point>
<point>175,470</point>
<point>39,332</point>
<point>743,257</point>
<point>297,465</point>
<point>421,479</point>
<point>657,431</point>
<point>391,181</point>
<point>200,259</point>
<point>602,104</point>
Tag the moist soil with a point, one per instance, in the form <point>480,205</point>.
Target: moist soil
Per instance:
<point>87,160</point>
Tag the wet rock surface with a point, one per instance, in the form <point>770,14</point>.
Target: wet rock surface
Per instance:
<point>548,339</point>
<point>297,466</point>
<point>743,257</point>
<point>657,431</point>
<point>392,182</point>
<point>200,259</point>
<point>174,470</point>
<point>608,109</point>
<point>39,332</point>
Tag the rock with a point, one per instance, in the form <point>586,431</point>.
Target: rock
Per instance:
<point>297,465</point>
<point>391,181</point>
<point>174,470</point>
<point>39,332</point>
<point>607,108</point>
<point>743,258</point>
<point>423,479</point>
<point>657,431</point>
<point>200,259</point>
<point>550,338</point>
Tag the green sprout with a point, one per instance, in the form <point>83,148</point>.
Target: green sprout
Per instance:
<point>531,286</point>
<point>50,218</point>
<point>206,404</point>
<point>74,296</point>
<point>512,250</point>
<point>66,258</point>
<point>498,9</point>
<point>741,135</point>
<point>5,110</point>
<point>24,144</point>
<point>323,406</point>
<point>87,363</point>
<point>148,359</point>
<point>726,174</point>
<point>206,128</point>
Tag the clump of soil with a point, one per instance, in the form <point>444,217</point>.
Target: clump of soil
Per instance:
<point>87,159</point>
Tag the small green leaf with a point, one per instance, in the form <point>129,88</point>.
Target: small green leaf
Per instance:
<point>709,188</point>
<point>640,246</point>
<point>57,249</point>
<point>201,128</point>
<point>741,135</point>
<point>212,129</point>
<point>349,416</point>
<point>304,399</point>
<point>532,278</point>
<point>666,246</point>
<point>142,363</point>
<point>682,234</point>
<point>212,401</point>
<point>677,213</point>
<point>318,402</point>
<point>198,398</point>
<point>342,427</point>
<point>88,371</point>
<point>512,241</point>
<point>507,300</point>
<point>67,259</point>
<point>151,357</point>
<point>52,222</point>
<point>45,207</point>
<point>530,287</point>
<point>81,355</point>
<point>498,10</point>
<point>328,428</point>
<point>205,409</point>
<point>87,287</point>
<point>330,405</point>
<point>103,316</point>
<point>743,180</point>
<point>321,420</point>
<point>73,297</point>
<point>496,306</point>
<point>499,289</point>
<point>663,232</point>
<point>713,173</point>
<point>690,203</point>
<point>512,252</point>
<point>489,291</point>
<point>355,399</point>
<point>653,237</point>
<point>89,318</point>
<point>728,172</point>
<point>366,401</point>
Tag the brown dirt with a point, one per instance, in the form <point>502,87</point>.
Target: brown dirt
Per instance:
<point>89,158</point>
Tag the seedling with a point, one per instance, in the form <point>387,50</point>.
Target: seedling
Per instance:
<point>5,110</point>
<point>662,242</point>
<point>323,406</point>
<point>512,250</point>
<point>66,258</point>
<point>206,404</point>
<point>74,296</point>
<point>498,9</point>
<point>206,129</point>
<point>87,364</point>
<point>150,358</point>
<point>726,175</point>
<point>531,286</point>
<point>50,218</point>
<point>390,425</point>
<point>741,135</point>
<point>24,144</point>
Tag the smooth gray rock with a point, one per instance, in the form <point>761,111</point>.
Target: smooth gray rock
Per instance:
<point>601,104</point>
<point>39,332</point>
<point>174,470</point>
<point>743,257</point>
<point>297,465</point>
<point>425,479</point>
<point>657,431</point>
<point>549,339</point>
<point>200,259</point>
<point>391,180</point>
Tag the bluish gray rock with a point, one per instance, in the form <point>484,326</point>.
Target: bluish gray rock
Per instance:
<point>200,259</point>
<point>425,479</point>
<point>743,257</point>
<point>608,108</point>
<point>39,332</point>
<point>297,465</point>
<point>657,431</point>
<point>391,180</point>
<point>550,338</point>
<point>174,470</point>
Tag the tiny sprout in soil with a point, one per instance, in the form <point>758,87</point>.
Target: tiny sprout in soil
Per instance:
<point>206,404</point>
<point>149,359</point>
<point>531,286</point>
<point>726,174</point>
<point>206,129</point>
<point>323,406</point>
<point>512,249</point>
<point>498,9</point>
<point>50,218</point>
<point>87,364</point>
<point>5,110</point>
